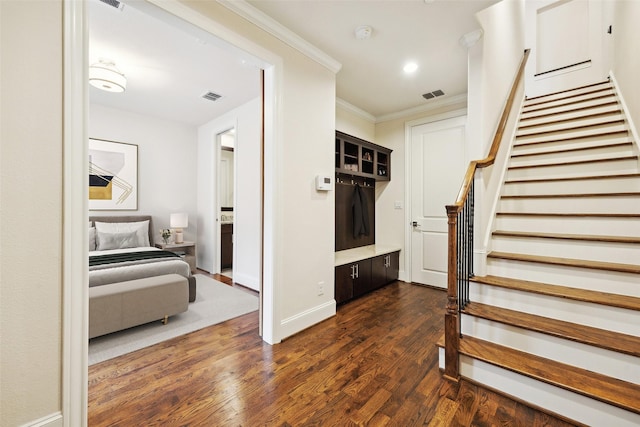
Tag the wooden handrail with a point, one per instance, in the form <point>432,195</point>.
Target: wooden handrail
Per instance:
<point>452,325</point>
<point>495,145</point>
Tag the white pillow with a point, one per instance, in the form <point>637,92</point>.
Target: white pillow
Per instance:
<point>117,240</point>
<point>92,238</point>
<point>141,229</point>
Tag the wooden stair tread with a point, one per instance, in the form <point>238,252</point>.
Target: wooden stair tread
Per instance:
<point>576,178</point>
<point>572,150</point>
<point>570,214</point>
<point>572,119</point>
<point>576,162</point>
<point>569,195</point>
<point>573,128</point>
<point>559,291</point>
<point>602,135</point>
<point>535,116</point>
<point>613,391</point>
<point>568,262</point>
<point>614,341</point>
<point>590,85</point>
<point>564,236</point>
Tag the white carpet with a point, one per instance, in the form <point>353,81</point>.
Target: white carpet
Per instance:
<point>215,302</point>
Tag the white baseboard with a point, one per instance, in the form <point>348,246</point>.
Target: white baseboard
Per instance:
<point>52,420</point>
<point>301,321</point>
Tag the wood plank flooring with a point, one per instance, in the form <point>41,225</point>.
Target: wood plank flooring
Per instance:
<point>374,363</point>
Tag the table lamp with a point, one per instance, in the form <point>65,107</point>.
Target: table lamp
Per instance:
<point>179,221</point>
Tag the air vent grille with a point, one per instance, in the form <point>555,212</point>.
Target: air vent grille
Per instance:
<point>114,3</point>
<point>431,95</point>
<point>211,96</point>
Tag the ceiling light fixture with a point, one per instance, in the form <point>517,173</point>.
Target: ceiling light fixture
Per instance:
<point>410,67</point>
<point>104,75</point>
<point>363,32</point>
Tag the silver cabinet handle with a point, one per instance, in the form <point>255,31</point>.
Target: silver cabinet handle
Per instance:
<point>353,271</point>
<point>357,270</point>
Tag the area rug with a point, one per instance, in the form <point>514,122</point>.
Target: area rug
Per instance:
<point>215,302</point>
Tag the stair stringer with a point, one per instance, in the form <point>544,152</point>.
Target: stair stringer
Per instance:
<point>625,109</point>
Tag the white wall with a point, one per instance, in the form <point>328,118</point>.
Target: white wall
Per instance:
<point>626,61</point>
<point>31,211</point>
<point>166,163</point>
<point>247,208</point>
<point>355,124</point>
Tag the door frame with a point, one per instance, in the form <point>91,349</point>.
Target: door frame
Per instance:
<point>75,302</point>
<point>408,137</point>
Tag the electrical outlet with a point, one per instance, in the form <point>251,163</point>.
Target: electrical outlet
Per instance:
<point>320,288</point>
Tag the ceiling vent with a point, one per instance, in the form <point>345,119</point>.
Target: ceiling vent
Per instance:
<point>431,95</point>
<point>211,96</point>
<point>114,3</point>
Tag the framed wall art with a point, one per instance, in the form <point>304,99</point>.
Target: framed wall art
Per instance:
<point>113,175</point>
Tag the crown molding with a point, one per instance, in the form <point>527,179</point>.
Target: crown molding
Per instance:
<point>355,110</point>
<point>273,27</point>
<point>423,108</point>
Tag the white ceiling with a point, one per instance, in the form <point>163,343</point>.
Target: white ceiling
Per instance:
<point>169,68</point>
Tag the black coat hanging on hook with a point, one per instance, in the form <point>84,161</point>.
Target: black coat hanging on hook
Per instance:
<point>360,212</point>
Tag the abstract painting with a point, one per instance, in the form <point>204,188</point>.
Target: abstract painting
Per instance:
<point>113,175</point>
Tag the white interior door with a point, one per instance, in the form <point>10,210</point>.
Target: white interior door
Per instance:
<point>438,164</point>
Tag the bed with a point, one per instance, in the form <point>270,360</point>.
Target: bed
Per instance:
<point>117,255</point>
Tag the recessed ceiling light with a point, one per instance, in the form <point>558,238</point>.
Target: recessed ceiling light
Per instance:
<point>410,67</point>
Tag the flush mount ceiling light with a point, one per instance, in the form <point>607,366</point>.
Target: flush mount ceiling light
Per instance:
<point>104,75</point>
<point>363,32</point>
<point>410,67</point>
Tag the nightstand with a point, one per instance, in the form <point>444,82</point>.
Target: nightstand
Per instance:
<point>186,249</point>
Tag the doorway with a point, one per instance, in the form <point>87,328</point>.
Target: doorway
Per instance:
<point>226,196</point>
<point>438,162</point>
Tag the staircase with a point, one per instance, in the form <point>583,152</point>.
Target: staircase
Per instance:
<point>556,320</point>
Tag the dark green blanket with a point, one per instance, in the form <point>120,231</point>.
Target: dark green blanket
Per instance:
<point>129,256</point>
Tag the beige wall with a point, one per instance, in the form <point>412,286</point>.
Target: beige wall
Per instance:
<point>354,124</point>
<point>31,210</point>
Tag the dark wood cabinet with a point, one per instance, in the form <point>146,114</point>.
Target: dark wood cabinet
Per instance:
<point>357,157</point>
<point>384,269</point>
<point>358,278</point>
<point>226,246</point>
<point>352,280</point>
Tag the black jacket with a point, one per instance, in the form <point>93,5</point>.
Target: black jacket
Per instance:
<point>360,212</point>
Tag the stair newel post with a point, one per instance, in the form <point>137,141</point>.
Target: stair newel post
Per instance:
<point>451,324</point>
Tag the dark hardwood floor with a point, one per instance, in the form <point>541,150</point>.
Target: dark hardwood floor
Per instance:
<point>374,363</point>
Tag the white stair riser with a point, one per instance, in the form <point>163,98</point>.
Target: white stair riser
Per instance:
<point>606,362</point>
<point>573,225</point>
<point>594,315</point>
<point>569,125</point>
<point>578,133</point>
<point>600,204</point>
<point>596,141</point>
<point>574,170</point>
<point>625,253</point>
<point>592,104</point>
<point>565,98</point>
<point>602,152</point>
<point>537,393</point>
<point>603,185</point>
<point>583,278</point>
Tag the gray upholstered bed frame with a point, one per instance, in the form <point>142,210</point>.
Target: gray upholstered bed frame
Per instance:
<point>159,296</point>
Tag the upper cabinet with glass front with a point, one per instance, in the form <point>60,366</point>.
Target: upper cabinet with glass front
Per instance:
<point>355,156</point>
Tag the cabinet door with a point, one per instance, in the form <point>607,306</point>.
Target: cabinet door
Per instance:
<point>362,282</point>
<point>378,271</point>
<point>226,246</point>
<point>343,283</point>
<point>393,266</point>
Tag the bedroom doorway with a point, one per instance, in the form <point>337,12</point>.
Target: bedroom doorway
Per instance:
<point>226,196</point>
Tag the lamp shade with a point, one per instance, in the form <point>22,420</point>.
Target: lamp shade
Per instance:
<point>179,220</point>
<point>104,75</point>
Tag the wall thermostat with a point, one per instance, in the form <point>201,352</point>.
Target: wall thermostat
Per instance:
<point>323,183</point>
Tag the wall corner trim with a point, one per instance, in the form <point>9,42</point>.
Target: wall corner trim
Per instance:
<point>51,420</point>
<point>273,27</point>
